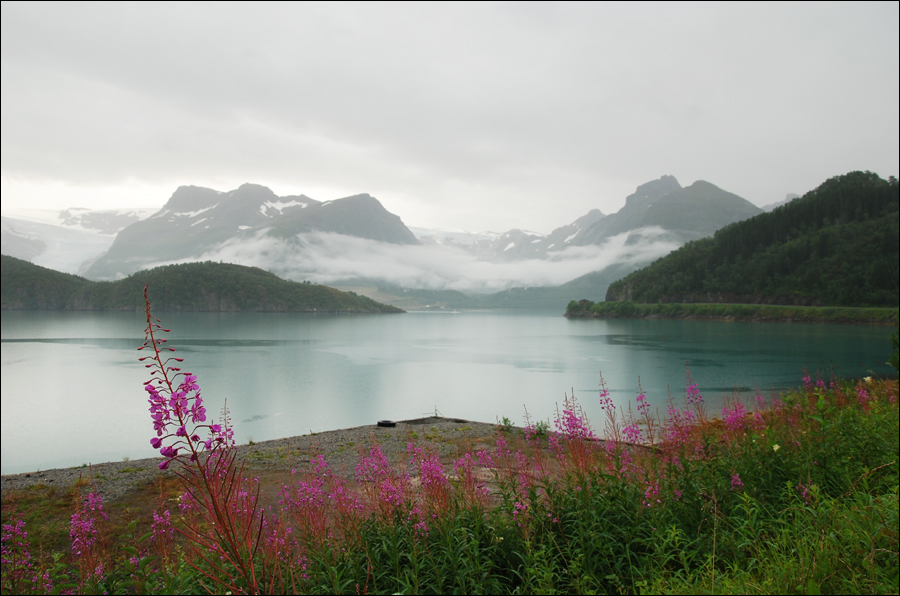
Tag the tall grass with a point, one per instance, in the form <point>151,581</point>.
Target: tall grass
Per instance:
<point>794,494</point>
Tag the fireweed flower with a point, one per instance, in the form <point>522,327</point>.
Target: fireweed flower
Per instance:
<point>572,422</point>
<point>693,394</point>
<point>735,417</point>
<point>633,433</point>
<point>606,403</point>
<point>18,572</point>
<point>85,535</point>
<point>643,404</point>
<point>862,396</point>
<point>176,407</point>
<point>651,495</point>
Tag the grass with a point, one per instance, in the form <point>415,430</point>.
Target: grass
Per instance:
<point>797,494</point>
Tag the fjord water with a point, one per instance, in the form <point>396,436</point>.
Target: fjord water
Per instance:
<point>72,386</point>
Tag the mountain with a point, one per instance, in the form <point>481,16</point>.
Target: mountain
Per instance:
<point>101,221</point>
<point>202,287</point>
<point>51,245</point>
<point>684,213</point>
<point>657,218</point>
<point>511,245</point>
<point>595,250</point>
<point>197,220</point>
<point>787,199</point>
<point>836,246</point>
<point>18,243</point>
<point>353,240</point>
<point>519,244</point>
<point>68,240</point>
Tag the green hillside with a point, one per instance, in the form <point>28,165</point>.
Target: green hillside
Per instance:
<point>210,287</point>
<point>836,246</point>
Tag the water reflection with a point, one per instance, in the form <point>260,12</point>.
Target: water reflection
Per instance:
<point>71,384</point>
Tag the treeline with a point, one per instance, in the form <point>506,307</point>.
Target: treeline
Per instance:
<point>837,245</point>
<point>208,286</point>
<point>738,312</point>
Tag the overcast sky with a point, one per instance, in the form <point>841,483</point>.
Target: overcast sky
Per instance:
<point>478,117</point>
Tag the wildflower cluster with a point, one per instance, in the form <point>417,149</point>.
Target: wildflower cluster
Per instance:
<point>541,512</point>
<point>176,406</point>
<point>85,534</point>
<point>19,573</point>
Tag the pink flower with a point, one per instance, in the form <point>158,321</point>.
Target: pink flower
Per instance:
<point>735,417</point>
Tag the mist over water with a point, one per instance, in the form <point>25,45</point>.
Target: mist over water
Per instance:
<point>72,386</point>
<point>325,258</point>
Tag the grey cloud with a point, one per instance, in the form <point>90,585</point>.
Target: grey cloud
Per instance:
<point>519,105</point>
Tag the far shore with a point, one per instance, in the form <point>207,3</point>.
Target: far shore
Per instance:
<point>585,309</point>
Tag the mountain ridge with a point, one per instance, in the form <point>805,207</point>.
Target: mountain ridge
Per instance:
<point>837,246</point>
<point>195,220</point>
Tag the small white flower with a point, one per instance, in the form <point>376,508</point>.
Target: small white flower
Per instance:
<point>776,447</point>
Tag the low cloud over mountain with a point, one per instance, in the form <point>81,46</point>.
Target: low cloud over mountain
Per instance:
<point>356,238</point>
<point>327,258</point>
<point>196,221</point>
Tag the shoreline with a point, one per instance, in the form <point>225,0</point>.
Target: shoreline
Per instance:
<point>116,480</point>
<point>758,313</point>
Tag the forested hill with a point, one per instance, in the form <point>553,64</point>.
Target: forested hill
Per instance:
<point>836,246</point>
<point>211,287</point>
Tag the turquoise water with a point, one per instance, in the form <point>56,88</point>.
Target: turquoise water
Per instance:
<point>72,386</point>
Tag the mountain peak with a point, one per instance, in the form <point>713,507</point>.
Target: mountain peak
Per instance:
<point>191,198</point>
<point>199,221</point>
<point>653,190</point>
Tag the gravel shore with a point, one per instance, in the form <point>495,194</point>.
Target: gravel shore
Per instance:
<point>115,480</point>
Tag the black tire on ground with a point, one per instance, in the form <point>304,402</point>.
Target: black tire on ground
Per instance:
<point>387,423</point>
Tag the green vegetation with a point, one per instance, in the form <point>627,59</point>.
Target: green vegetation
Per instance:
<point>836,246</point>
<point>894,360</point>
<point>797,495</point>
<point>189,287</point>
<point>741,312</point>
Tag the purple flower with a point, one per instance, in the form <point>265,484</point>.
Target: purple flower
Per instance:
<point>83,530</point>
<point>156,442</point>
<point>643,404</point>
<point>572,421</point>
<point>735,417</point>
<point>633,433</point>
<point>198,412</point>
<point>189,383</point>
<point>693,394</point>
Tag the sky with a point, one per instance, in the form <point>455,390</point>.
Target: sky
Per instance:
<point>458,116</point>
